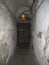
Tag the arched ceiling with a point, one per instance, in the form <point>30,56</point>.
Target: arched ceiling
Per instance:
<point>14,4</point>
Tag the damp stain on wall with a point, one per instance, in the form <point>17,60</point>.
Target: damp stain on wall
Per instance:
<point>39,35</point>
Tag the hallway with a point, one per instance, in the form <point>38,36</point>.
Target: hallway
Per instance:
<point>24,32</point>
<point>23,56</point>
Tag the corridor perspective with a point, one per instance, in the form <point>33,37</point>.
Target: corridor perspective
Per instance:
<point>24,32</point>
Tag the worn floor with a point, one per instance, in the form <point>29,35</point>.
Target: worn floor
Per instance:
<point>23,56</point>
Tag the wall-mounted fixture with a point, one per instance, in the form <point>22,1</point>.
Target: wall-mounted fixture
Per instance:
<point>23,16</point>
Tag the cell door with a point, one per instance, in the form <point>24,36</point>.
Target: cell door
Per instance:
<point>23,34</point>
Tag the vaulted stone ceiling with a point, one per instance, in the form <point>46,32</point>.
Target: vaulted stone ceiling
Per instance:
<point>14,4</point>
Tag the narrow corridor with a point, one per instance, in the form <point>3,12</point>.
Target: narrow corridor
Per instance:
<point>24,32</point>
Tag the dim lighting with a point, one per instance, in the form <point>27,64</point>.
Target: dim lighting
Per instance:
<point>23,16</point>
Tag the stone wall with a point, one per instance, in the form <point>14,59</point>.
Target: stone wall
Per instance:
<point>41,31</point>
<point>7,35</point>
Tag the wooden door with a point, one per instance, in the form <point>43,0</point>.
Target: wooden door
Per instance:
<point>23,33</point>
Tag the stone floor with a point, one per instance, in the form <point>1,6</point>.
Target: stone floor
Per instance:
<point>23,56</point>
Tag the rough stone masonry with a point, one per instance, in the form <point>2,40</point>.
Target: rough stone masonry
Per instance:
<point>7,35</point>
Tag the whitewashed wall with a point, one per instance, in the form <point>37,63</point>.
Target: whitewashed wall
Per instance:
<point>13,5</point>
<point>7,35</point>
<point>41,33</point>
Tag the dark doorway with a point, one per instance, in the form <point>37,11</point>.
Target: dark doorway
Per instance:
<point>23,34</point>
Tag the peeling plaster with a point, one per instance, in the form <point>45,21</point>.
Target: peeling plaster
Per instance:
<point>46,47</point>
